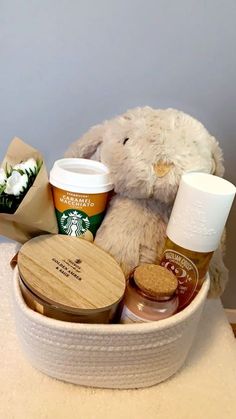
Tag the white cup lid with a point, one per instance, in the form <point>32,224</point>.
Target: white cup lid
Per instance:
<point>81,176</point>
<point>200,211</point>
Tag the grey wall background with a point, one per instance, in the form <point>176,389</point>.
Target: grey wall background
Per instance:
<point>66,65</point>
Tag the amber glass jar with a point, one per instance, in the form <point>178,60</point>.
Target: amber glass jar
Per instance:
<point>150,295</point>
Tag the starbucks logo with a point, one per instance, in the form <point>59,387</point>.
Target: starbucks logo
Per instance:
<point>74,223</point>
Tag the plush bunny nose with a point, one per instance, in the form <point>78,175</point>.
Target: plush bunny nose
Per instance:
<point>161,169</point>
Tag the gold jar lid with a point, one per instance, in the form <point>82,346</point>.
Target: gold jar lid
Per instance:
<point>71,274</point>
<point>155,280</point>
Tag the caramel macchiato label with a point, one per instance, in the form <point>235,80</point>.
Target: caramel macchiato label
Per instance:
<point>78,213</point>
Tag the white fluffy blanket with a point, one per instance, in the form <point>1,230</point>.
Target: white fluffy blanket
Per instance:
<point>205,386</point>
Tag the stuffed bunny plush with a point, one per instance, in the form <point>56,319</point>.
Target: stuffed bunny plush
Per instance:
<point>147,150</point>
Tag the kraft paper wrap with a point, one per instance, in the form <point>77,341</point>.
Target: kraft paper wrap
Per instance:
<point>36,214</point>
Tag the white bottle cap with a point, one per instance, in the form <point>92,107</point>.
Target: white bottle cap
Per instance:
<point>200,211</point>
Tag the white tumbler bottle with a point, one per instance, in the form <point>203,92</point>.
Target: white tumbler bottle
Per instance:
<point>196,224</point>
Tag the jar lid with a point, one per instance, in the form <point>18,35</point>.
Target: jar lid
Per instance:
<point>155,280</point>
<point>81,175</point>
<point>71,273</point>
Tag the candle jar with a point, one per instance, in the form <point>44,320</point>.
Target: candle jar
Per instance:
<point>68,278</point>
<point>150,295</point>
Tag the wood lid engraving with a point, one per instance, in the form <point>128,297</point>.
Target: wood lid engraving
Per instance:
<point>71,273</point>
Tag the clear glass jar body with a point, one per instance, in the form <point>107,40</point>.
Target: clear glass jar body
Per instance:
<point>139,307</point>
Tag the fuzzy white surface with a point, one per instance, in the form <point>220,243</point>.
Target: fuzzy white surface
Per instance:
<point>204,387</point>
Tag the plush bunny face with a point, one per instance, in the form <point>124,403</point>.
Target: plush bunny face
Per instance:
<point>148,150</point>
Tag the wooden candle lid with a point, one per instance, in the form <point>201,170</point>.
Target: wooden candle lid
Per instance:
<point>71,273</point>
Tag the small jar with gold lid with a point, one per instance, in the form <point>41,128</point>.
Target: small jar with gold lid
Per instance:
<point>150,295</point>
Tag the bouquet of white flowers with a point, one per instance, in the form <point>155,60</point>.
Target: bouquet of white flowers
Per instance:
<point>26,202</point>
<point>15,182</point>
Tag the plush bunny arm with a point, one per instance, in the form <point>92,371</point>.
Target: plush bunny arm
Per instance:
<point>119,234</point>
<point>131,233</point>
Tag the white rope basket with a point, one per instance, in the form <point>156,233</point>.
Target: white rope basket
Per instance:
<point>111,355</point>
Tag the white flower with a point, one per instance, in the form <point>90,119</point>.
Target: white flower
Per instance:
<point>30,164</point>
<point>27,165</point>
<point>3,177</point>
<point>16,183</point>
<point>19,166</point>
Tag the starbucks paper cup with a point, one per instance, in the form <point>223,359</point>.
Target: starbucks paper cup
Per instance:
<point>81,190</point>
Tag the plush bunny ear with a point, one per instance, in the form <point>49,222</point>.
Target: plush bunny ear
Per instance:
<point>217,158</point>
<point>88,146</point>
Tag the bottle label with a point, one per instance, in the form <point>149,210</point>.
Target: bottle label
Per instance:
<point>128,317</point>
<point>185,271</point>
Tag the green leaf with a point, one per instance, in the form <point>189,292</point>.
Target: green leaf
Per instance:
<point>8,171</point>
<point>39,165</point>
<point>2,188</point>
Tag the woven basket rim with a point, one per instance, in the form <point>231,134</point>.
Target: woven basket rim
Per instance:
<point>109,328</point>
